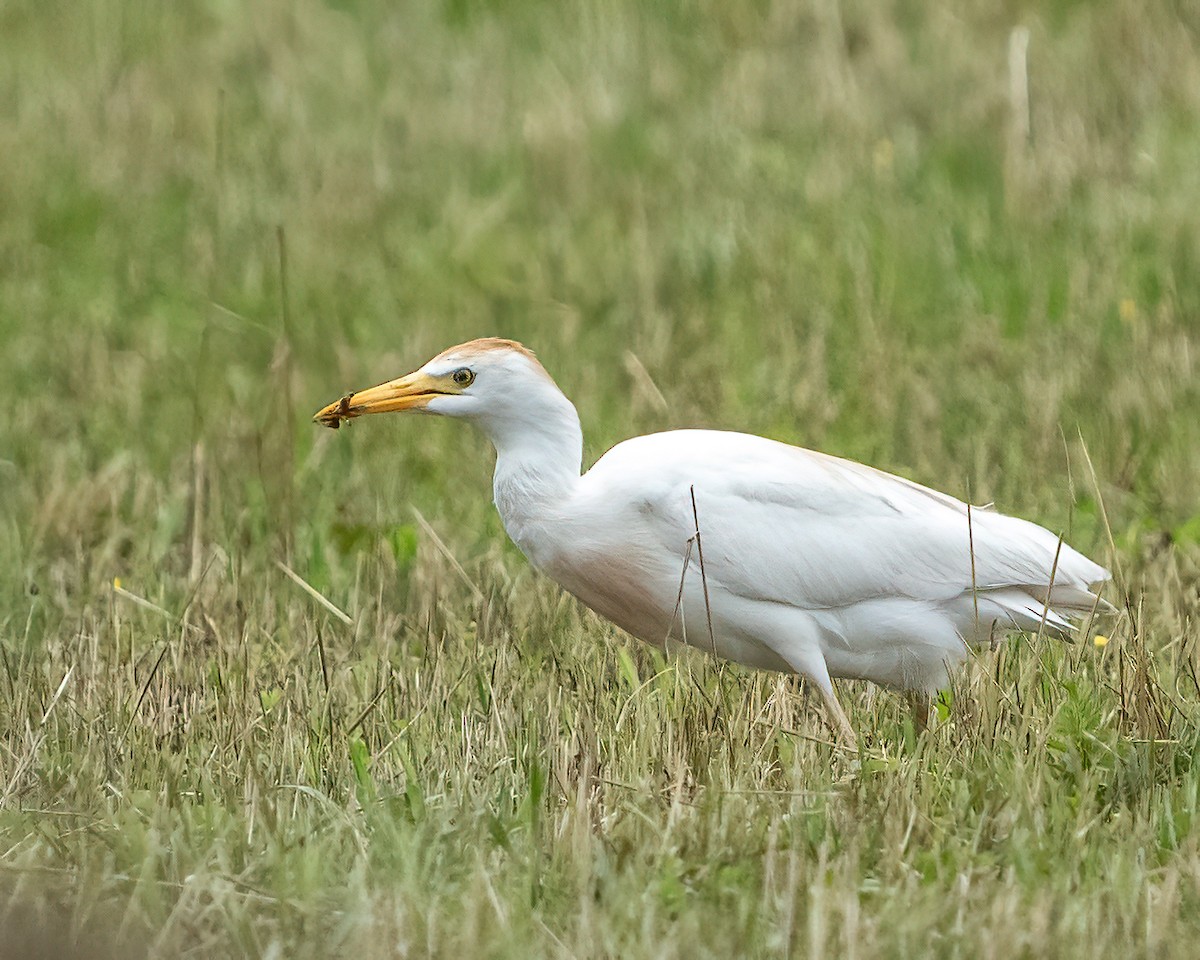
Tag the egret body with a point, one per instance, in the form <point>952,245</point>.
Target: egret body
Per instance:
<point>811,564</point>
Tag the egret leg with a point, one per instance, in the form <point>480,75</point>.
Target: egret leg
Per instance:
<point>837,716</point>
<point>810,664</point>
<point>918,703</point>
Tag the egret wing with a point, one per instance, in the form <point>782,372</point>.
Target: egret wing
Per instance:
<point>784,524</point>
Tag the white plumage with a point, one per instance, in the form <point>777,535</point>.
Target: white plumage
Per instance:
<point>811,564</point>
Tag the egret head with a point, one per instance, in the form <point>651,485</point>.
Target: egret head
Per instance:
<point>490,381</point>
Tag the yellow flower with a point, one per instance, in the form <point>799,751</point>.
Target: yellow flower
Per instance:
<point>116,583</point>
<point>1099,639</point>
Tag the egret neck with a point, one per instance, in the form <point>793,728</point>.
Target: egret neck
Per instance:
<point>539,456</point>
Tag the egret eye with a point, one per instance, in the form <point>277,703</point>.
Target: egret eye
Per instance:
<point>462,376</point>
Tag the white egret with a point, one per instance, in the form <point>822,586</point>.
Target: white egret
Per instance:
<point>760,552</point>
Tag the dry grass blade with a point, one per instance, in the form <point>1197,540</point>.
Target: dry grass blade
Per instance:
<point>703,575</point>
<point>446,552</point>
<point>315,593</point>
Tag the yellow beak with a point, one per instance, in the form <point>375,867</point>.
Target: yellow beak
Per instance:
<point>408,393</point>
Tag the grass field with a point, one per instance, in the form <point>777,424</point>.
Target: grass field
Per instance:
<point>840,225</point>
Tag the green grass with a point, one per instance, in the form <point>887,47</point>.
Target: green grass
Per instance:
<point>812,222</point>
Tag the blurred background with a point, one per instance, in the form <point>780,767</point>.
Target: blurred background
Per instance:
<point>958,242</point>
